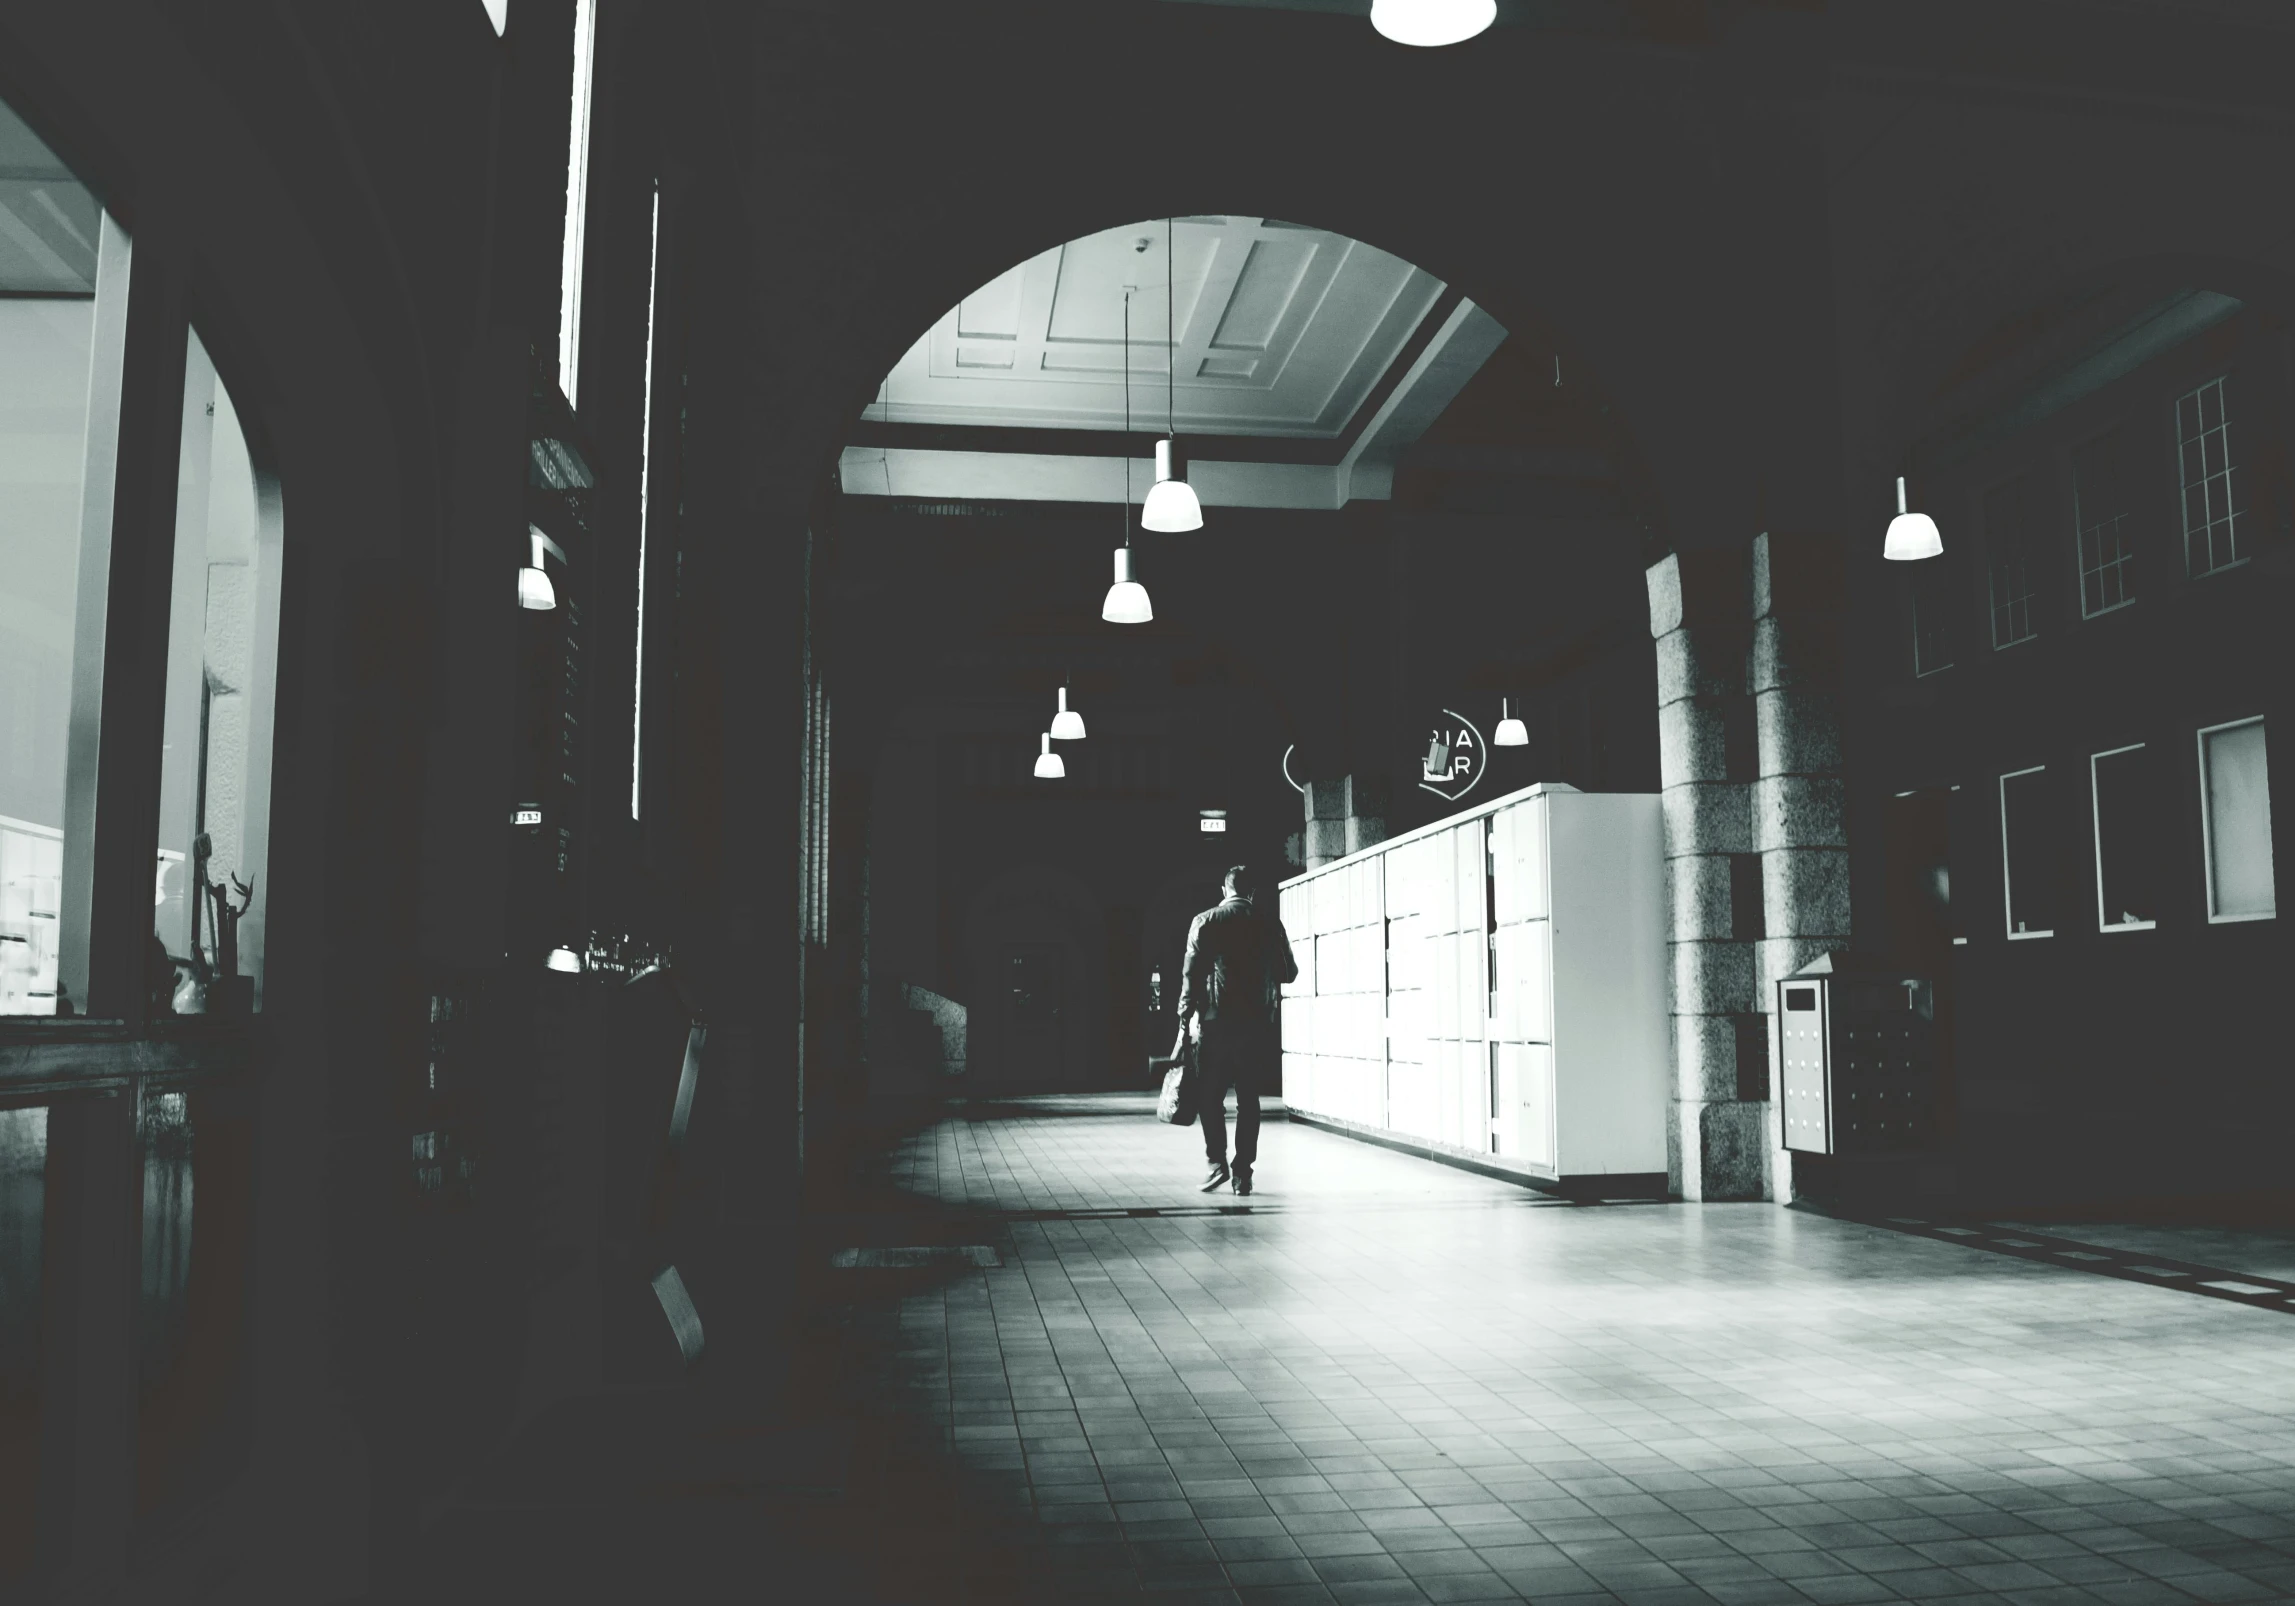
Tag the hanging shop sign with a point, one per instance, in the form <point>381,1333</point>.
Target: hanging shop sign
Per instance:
<point>1453,763</point>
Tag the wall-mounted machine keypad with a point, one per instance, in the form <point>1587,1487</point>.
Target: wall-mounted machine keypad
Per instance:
<point>1856,1049</point>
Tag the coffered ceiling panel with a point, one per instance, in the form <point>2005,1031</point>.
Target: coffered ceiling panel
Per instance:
<point>1280,330</point>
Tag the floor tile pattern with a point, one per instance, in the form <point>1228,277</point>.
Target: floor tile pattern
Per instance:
<point>1391,1381</point>
<point>2159,1261</point>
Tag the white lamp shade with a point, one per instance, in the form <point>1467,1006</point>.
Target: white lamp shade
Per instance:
<point>1432,22</point>
<point>1127,602</point>
<point>535,590</point>
<point>1171,504</point>
<point>1067,724</point>
<point>566,960</point>
<point>1511,733</point>
<point>1912,535</point>
<point>1048,764</point>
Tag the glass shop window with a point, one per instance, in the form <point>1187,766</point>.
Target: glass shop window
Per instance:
<point>2100,517</point>
<point>2028,839</point>
<point>2125,789</point>
<point>210,891</point>
<point>56,306</point>
<point>2235,816</point>
<point>2211,490</point>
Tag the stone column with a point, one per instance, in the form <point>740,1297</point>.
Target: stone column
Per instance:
<point>1326,837</point>
<point>1366,812</point>
<point>1799,803</point>
<point>1717,1144</point>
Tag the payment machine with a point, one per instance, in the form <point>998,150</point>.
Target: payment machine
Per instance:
<point>1856,1043</point>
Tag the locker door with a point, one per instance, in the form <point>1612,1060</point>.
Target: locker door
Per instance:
<point>1534,1086</point>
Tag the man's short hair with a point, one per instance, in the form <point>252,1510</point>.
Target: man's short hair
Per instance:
<point>1242,878</point>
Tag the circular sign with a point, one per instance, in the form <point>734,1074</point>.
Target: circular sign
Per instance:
<point>1453,763</point>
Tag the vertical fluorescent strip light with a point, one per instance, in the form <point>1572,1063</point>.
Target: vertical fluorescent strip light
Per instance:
<point>644,507</point>
<point>577,202</point>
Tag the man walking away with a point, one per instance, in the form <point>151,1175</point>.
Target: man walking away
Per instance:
<point>1238,959</point>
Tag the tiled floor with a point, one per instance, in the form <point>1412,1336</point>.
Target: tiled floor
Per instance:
<point>1392,1381</point>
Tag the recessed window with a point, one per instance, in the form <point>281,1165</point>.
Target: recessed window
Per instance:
<point>2100,518</point>
<point>2010,568</point>
<point>2125,790</point>
<point>2210,484</point>
<point>2235,816</point>
<point>2029,828</point>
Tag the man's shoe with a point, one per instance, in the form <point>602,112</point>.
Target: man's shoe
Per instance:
<point>1217,1178</point>
<point>1242,1181</point>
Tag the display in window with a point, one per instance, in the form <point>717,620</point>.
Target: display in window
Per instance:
<point>222,664</point>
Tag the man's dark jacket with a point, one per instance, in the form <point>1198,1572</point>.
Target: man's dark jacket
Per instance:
<point>1237,962</point>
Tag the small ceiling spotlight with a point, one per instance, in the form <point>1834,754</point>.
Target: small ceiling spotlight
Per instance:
<point>1432,22</point>
<point>534,588</point>
<point>1511,732</point>
<point>1048,764</point>
<point>1067,724</point>
<point>1911,535</point>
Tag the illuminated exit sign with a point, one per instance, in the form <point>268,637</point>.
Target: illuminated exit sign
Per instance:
<point>1212,820</point>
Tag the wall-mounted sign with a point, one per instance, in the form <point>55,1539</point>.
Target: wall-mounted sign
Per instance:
<point>1212,820</point>
<point>1453,763</point>
<point>526,817</point>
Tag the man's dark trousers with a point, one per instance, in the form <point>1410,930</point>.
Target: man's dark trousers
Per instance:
<point>1238,1054</point>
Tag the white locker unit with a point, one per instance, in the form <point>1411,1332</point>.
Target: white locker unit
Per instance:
<point>1492,985</point>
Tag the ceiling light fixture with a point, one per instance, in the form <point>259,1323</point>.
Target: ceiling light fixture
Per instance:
<point>1048,764</point>
<point>1127,600</point>
<point>1171,502</point>
<point>1067,724</point>
<point>1432,22</point>
<point>565,961</point>
<point>1911,535</point>
<point>534,588</point>
<point>1511,731</point>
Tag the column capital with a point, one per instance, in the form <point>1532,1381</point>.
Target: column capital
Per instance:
<point>1701,588</point>
<point>1797,572</point>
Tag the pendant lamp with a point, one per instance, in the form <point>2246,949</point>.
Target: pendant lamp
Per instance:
<point>1067,724</point>
<point>1171,503</point>
<point>1048,764</point>
<point>1511,732</point>
<point>1432,22</point>
<point>1911,535</point>
<point>565,961</point>
<point>1127,600</point>
<point>534,588</point>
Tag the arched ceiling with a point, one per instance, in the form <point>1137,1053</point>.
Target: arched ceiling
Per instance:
<point>1297,363</point>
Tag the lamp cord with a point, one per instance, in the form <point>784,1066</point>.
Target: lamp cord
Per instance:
<point>1127,443</point>
<point>1170,341</point>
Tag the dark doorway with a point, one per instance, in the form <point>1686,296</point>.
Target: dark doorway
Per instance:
<point>1917,839</point>
<point>1032,999</point>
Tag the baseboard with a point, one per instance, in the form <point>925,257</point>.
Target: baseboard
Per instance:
<point>1601,1185</point>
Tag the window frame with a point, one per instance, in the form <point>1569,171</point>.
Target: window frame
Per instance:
<point>2007,868</point>
<point>2207,822</point>
<point>2080,570</point>
<point>2176,399</point>
<point>2016,488</point>
<point>2096,823</point>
